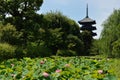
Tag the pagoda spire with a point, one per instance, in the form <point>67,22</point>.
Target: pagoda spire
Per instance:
<point>87,26</point>
<point>87,23</point>
<point>87,11</point>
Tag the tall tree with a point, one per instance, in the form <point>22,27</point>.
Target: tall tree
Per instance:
<point>110,33</point>
<point>15,11</point>
<point>61,32</point>
<point>22,14</point>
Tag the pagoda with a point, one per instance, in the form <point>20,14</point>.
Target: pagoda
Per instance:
<point>87,32</point>
<point>87,23</point>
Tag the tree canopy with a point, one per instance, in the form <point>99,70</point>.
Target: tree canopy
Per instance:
<point>61,32</point>
<point>22,14</point>
<point>34,34</point>
<point>111,35</point>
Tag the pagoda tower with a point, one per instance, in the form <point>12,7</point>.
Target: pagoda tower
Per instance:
<point>87,32</point>
<point>87,23</point>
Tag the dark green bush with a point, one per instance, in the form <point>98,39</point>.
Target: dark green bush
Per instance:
<point>20,52</point>
<point>95,48</point>
<point>75,44</point>
<point>32,51</point>
<point>116,48</point>
<point>37,50</point>
<point>6,51</point>
<point>66,53</point>
<point>8,34</point>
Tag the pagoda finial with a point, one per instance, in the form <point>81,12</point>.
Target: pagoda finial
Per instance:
<point>87,11</point>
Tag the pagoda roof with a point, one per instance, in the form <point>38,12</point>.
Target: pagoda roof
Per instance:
<point>87,20</point>
<point>88,28</point>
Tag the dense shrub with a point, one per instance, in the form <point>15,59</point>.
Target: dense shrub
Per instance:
<point>116,48</point>
<point>61,33</point>
<point>66,53</point>
<point>87,40</point>
<point>75,44</point>
<point>20,52</point>
<point>95,48</point>
<point>6,51</point>
<point>33,50</point>
<point>9,34</point>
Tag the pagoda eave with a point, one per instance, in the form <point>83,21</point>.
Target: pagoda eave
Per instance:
<point>87,20</point>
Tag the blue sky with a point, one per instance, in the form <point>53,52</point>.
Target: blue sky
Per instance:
<point>99,10</point>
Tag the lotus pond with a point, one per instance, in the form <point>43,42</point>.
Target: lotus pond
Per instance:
<point>57,68</point>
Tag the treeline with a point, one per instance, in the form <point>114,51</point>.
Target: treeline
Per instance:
<point>109,41</point>
<point>55,34</point>
<point>25,33</point>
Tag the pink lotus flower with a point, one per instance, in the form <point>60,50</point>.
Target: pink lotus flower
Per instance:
<point>12,65</point>
<point>45,74</point>
<point>58,71</point>
<point>13,75</point>
<point>42,62</point>
<point>100,71</point>
<point>67,65</point>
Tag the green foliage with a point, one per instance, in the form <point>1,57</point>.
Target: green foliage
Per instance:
<point>116,48</point>
<point>22,14</point>
<point>116,67</point>
<point>110,34</point>
<point>49,32</point>
<point>74,43</point>
<point>19,9</point>
<point>95,48</point>
<point>58,29</point>
<point>20,52</point>
<point>58,20</point>
<point>53,39</point>
<point>33,50</point>
<point>66,53</point>
<point>87,40</point>
<point>56,68</point>
<point>6,51</point>
<point>9,34</point>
